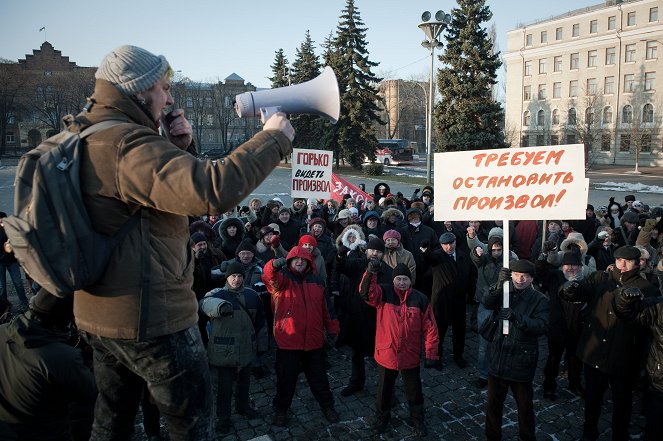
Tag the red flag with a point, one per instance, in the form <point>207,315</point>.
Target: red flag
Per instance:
<point>340,187</point>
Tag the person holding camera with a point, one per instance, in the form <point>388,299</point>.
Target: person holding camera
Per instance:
<point>404,320</point>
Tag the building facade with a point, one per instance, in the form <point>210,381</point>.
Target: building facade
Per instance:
<point>404,104</point>
<point>589,77</point>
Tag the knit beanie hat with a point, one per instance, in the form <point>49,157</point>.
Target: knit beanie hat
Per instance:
<point>375,244</point>
<point>391,234</point>
<point>284,209</point>
<point>198,237</point>
<point>401,270</point>
<point>344,214</point>
<point>245,245</point>
<point>307,238</point>
<point>234,267</point>
<point>132,69</point>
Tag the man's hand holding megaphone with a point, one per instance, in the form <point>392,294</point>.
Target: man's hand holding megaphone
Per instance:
<point>279,121</point>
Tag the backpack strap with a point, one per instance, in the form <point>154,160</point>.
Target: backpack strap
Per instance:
<point>145,272</point>
<point>94,128</point>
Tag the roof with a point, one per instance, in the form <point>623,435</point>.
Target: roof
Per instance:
<point>234,77</point>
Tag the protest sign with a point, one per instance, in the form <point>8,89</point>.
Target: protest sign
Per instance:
<point>512,184</point>
<point>341,186</point>
<point>311,173</point>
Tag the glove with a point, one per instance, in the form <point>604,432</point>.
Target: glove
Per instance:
<point>226,309</point>
<point>505,275</point>
<point>342,251</point>
<point>548,247</point>
<point>626,296</point>
<point>569,290</point>
<point>431,364</point>
<point>279,263</point>
<point>508,314</point>
<point>332,339</point>
<point>424,244</point>
<point>649,225</point>
<point>417,190</point>
<point>275,241</point>
<point>373,266</point>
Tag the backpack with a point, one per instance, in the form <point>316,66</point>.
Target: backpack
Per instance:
<point>51,233</point>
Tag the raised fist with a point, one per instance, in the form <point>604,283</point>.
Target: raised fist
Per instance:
<point>275,241</point>
<point>279,263</point>
<point>373,266</point>
<point>548,247</point>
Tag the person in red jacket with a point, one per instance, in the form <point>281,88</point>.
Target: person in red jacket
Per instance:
<point>404,317</point>
<point>301,319</point>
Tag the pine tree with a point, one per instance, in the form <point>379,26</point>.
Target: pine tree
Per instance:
<point>354,132</point>
<point>468,118</point>
<point>306,67</point>
<point>281,70</point>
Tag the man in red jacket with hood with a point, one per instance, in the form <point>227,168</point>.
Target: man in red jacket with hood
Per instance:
<point>301,319</point>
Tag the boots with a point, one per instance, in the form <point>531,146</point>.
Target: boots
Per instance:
<point>381,422</point>
<point>417,419</point>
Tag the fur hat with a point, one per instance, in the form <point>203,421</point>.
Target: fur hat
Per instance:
<point>571,258</point>
<point>132,69</point>
<point>523,266</point>
<point>627,252</point>
<point>234,267</point>
<point>375,244</point>
<point>307,238</point>
<point>391,234</point>
<point>629,197</point>
<point>401,270</point>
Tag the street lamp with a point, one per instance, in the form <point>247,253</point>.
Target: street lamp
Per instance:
<point>432,29</point>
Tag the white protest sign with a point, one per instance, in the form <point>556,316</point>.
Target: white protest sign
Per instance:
<point>311,173</point>
<point>512,184</point>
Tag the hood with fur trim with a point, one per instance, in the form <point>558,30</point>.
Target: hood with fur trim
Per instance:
<point>389,211</point>
<point>574,238</point>
<point>231,221</point>
<point>350,230</point>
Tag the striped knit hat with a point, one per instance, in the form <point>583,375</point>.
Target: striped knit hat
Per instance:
<point>132,69</point>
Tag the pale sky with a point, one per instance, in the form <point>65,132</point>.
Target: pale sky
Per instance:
<point>210,39</point>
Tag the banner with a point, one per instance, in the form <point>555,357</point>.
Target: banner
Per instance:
<point>311,173</point>
<point>511,184</point>
<point>340,187</point>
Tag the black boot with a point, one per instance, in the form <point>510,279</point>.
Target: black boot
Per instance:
<point>381,422</point>
<point>417,418</point>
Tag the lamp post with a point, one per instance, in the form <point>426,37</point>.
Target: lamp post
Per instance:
<point>432,29</point>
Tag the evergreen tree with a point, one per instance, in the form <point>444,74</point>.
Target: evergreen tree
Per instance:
<point>306,67</point>
<point>468,118</point>
<point>281,70</point>
<point>354,132</point>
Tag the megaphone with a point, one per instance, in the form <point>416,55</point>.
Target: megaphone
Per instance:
<point>319,96</point>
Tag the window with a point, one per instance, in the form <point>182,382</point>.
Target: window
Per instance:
<point>573,88</point>
<point>570,138</point>
<point>650,81</point>
<point>653,14</point>
<point>630,19</point>
<point>528,68</point>
<point>593,26</point>
<point>607,115</point>
<point>543,66</point>
<point>574,61</point>
<point>528,40</point>
<point>526,118</point>
<point>648,114</point>
<point>539,140</point>
<point>609,55</point>
<point>524,141</point>
<point>542,94</point>
<point>540,118</point>
<point>592,88</point>
<point>544,37</point>
<point>605,142</point>
<point>555,117</point>
<point>624,143</point>
<point>227,102</point>
<point>527,93</point>
<point>557,63</point>
<point>645,143</point>
<point>589,116</point>
<point>210,137</point>
<point>189,101</point>
<point>576,30</point>
<point>210,120</point>
<point>557,90</point>
<point>558,34</point>
<point>592,56</point>
<point>10,139</point>
<point>554,139</point>
<point>650,53</point>
<point>609,85</point>
<point>629,83</point>
<point>572,117</point>
<point>627,114</point>
<point>612,23</point>
<point>629,53</point>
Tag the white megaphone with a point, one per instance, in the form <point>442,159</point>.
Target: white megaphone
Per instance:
<point>318,96</point>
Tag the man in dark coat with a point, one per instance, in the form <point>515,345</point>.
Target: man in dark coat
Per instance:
<point>454,279</point>
<point>610,348</point>
<point>41,374</point>
<point>512,357</point>
<point>418,235</point>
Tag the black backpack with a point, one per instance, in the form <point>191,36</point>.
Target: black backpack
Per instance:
<point>51,233</point>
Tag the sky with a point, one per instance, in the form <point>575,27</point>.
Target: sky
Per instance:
<point>207,40</point>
